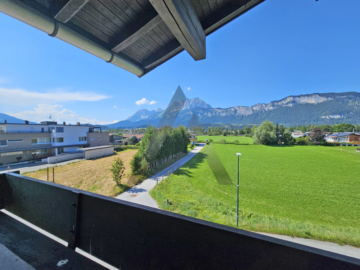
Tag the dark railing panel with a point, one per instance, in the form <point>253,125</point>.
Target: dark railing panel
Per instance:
<point>131,236</point>
<point>41,203</point>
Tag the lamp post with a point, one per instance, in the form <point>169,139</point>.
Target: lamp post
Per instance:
<point>237,200</point>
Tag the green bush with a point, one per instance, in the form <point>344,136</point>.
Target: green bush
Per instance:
<point>303,141</point>
<point>135,164</point>
<point>117,170</point>
<point>236,142</point>
<point>325,143</point>
<point>211,140</point>
<point>223,141</point>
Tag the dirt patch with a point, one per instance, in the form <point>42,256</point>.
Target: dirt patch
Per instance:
<point>91,175</point>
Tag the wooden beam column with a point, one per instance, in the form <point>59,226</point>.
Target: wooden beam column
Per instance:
<point>180,17</point>
<point>69,10</point>
<point>127,39</point>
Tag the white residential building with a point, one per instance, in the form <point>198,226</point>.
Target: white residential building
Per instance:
<point>20,142</point>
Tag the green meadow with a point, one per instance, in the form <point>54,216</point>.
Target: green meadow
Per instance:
<point>241,139</point>
<point>304,191</point>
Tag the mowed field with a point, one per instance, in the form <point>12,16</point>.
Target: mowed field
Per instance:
<point>91,175</point>
<point>241,139</point>
<point>304,191</point>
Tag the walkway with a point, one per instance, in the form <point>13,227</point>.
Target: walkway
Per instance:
<point>140,193</point>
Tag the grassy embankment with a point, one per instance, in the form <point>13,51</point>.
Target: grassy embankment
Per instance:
<point>93,175</point>
<point>304,191</point>
<point>241,139</point>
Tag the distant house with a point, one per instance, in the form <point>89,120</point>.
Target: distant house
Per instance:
<point>193,138</point>
<point>113,138</point>
<point>298,134</point>
<point>138,136</point>
<point>344,137</point>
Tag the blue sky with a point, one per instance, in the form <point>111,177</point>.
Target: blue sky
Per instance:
<point>277,49</point>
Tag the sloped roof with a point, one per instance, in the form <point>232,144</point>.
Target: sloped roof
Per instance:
<point>137,35</point>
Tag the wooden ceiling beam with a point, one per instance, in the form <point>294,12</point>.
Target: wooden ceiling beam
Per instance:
<point>223,16</point>
<point>69,10</point>
<point>180,17</point>
<point>127,39</point>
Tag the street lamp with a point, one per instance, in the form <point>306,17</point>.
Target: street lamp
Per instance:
<point>237,200</point>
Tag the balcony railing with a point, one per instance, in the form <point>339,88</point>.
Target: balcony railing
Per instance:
<point>15,131</point>
<point>131,236</point>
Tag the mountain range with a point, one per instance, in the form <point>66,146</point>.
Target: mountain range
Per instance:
<point>317,109</point>
<point>11,119</point>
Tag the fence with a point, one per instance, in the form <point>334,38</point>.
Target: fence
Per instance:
<point>131,236</point>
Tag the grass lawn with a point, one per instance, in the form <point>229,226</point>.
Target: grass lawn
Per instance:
<point>91,175</point>
<point>304,191</point>
<point>241,139</point>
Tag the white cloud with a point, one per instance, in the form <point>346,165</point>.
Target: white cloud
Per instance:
<point>24,97</point>
<point>115,107</point>
<point>188,88</point>
<point>152,102</point>
<point>142,101</point>
<point>58,113</point>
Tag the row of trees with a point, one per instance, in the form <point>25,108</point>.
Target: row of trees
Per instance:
<point>344,127</point>
<point>268,133</point>
<point>159,146</point>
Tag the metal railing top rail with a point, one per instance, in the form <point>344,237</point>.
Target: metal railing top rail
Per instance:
<point>14,132</point>
<point>132,236</point>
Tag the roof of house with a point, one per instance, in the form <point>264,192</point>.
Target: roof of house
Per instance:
<point>139,136</point>
<point>342,134</point>
<point>136,35</point>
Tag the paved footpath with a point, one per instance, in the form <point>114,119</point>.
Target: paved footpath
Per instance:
<point>140,193</point>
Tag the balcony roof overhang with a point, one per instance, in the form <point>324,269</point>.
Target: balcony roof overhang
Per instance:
<point>137,35</point>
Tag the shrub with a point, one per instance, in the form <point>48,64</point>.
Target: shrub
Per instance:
<point>137,144</point>
<point>135,164</point>
<point>325,143</point>
<point>117,170</point>
<point>303,141</point>
<point>223,141</point>
<point>211,140</point>
<point>133,140</point>
<point>236,142</point>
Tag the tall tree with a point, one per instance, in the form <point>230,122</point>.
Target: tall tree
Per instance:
<point>317,136</point>
<point>265,134</point>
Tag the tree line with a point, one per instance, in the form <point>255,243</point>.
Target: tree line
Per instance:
<point>159,146</point>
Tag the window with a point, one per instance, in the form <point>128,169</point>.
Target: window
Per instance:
<point>2,129</point>
<point>52,129</point>
<point>60,129</point>
<point>59,140</point>
<point>34,141</point>
<point>15,140</point>
<point>3,143</point>
<point>53,140</point>
<point>99,138</point>
<point>92,138</point>
<point>43,140</point>
<point>82,139</point>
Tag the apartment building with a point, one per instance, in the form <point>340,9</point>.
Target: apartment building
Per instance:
<point>22,142</point>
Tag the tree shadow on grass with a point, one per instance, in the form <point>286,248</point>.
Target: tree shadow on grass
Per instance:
<point>217,167</point>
